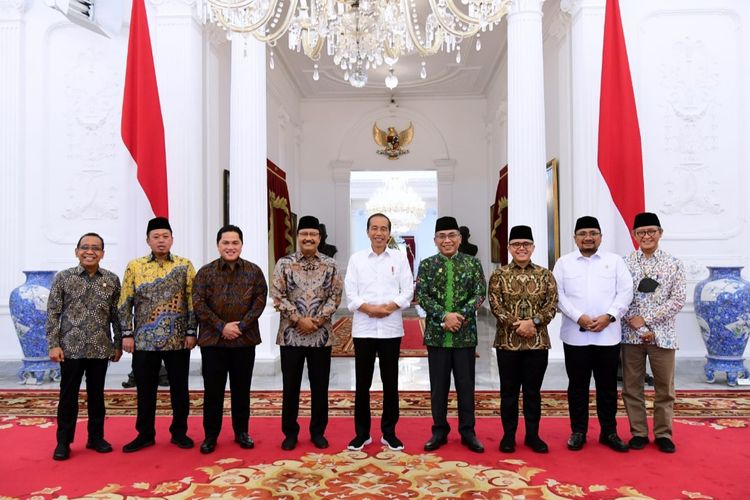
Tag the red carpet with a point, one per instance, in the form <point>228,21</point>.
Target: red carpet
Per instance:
<point>710,462</point>
<point>412,344</point>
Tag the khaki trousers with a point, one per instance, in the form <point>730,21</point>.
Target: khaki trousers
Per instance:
<point>662,363</point>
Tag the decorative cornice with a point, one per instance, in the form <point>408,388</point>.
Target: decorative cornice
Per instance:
<point>446,168</point>
<point>12,10</point>
<point>341,171</point>
<point>573,7</point>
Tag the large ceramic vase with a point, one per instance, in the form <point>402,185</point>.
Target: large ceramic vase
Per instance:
<point>28,308</point>
<point>722,306</point>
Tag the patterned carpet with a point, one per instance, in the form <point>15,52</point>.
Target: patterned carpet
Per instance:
<point>411,343</point>
<point>689,404</point>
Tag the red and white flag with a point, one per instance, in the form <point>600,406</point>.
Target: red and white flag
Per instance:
<point>619,158</point>
<point>142,127</point>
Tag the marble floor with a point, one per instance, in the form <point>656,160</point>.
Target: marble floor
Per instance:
<point>413,372</point>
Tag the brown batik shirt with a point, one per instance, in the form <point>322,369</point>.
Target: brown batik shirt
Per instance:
<point>223,293</point>
<point>517,293</point>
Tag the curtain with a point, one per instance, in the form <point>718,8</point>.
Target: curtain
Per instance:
<point>499,220</point>
<point>280,231</point>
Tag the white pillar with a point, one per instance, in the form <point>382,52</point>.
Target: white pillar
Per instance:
<point>526,135</point>
<point>177,40</point>
<point>11,157</point>
<point>590,195</point>
<point>248,184</point>
<point>446,169</point>
<point>341,232</point>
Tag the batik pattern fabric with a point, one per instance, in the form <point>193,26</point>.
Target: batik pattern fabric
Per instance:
<point>156,304</point>
<point>446,285</point>
<point>223,293</point>
<point>518,293</point>
<point>82,313</point>
<point>306,287</point>
<point>659,308</point>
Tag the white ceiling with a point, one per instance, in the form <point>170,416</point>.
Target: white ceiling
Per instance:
<point>445,77</point>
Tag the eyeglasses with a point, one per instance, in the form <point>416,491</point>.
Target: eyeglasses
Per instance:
<point>445,236</point>
<point>93,248</point>
<point>646,232</point>
<point>583,234</point>
<point>309,234</point>
<point>521,244</point>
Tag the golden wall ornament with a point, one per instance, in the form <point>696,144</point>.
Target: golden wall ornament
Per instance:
<point>392,142</point>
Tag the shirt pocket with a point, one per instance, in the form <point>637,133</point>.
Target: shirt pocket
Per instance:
<point>574,284</point>
<point>605,281</point>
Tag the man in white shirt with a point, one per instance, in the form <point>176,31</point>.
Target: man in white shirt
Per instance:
<point>595,289</point>
<point>379,284</point>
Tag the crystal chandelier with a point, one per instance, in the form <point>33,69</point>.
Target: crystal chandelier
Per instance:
<point>360,34</point>
<point>400,203</point>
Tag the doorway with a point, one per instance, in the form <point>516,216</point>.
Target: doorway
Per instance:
<point>398,194</point>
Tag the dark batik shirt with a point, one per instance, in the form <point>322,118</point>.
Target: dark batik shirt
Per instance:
<point>306,287</point>
<point>446,285</point>
<point>222,294</point>
<point>156,305</point>
<point>82,313</point>
<point>518,293</point>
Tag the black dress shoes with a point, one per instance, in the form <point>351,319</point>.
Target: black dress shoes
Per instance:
<point>289,443</point>
<point>99,445</point>
<point>435,443</point>
<point>472,443</point>
<point>208,445</point>
<point>138,443</point>
<point>183,442</point>
<point>638,442</point>
<point>62,452</point>
<point>576,441</point>
<point>536,444</point>
<point>665,445</point>
<point>614,442</point>
<point>244,441</point>
<point>320,442</point>
<point>508,444</point>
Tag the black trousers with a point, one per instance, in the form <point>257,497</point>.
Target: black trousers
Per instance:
<point>318,373</point>
<point>146,365</point>
<point>461,362</point>
<point>521,371</point>
<point>580,363</point>
<point>387,351</point>
<point>71,375</point>
<point>216,364</point>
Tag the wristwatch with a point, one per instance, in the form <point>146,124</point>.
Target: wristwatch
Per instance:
<point>612,319</point>
<point>537,321</point>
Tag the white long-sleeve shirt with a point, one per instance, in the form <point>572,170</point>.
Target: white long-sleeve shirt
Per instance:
<point>377,280</point>
<point>596,285</point>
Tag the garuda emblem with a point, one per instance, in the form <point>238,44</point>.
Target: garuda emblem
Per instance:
<point>392,142</point>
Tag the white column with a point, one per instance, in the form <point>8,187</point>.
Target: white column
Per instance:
<point>11,157</point>
<point>248,184</point>
<point>526,136</point>
<point>446,169</point>
<point>586,39</point>
<point>177,39</point>
<point>341,232</point>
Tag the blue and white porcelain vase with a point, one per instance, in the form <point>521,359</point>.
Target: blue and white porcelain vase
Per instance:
<point>722,306</point>
<point>28,308</point>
